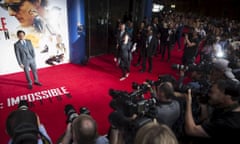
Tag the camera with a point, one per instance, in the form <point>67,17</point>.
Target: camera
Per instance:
<point>140,88</point>
<point>131,103</point>
<point>71,112</point>
<point>203,66</point>
<point>125,105</point>
<point>132,110</point>
<point>84,110</point>
<point>161,78</point>
<point>180,67</point>
<point>23,105</point>
<point>199,89</point>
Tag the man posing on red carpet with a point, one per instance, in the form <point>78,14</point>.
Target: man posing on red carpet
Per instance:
<point>26,58</point>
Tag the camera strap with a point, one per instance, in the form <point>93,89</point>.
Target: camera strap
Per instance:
<point>44,139</point>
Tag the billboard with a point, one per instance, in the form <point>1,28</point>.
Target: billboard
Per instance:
<point>45,24</point>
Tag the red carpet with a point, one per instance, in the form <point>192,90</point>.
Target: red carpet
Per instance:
<point>88,86</point>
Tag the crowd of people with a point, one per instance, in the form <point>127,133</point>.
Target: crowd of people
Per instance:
<point>205,109</point>
<point>205,36</point>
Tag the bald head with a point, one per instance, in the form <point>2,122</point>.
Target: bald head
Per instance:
<point>84,129</point>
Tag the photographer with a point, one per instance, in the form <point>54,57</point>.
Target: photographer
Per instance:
<point>123,129</point>
<point>167,109</point>
<point>24,127</point>
<point>191,42</point>
<point>223,124</point>
<point>83,130</point>
<point>197,76</point>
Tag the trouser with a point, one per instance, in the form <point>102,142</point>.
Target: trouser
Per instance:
<point>168,47</point>
<point>149,63</point>
<point>179,43</point>
<point>31,64</point>
<point>125,70</point>
<point>125,66</point>
<point>188,60</point>
<point>139,58</point>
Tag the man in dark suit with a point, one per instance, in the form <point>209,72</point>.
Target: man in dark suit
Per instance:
<point>119,38</point>
<point>26,58</point>
<point>149,50</point>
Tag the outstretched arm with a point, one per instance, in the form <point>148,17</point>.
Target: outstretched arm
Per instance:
<point>190,126</point>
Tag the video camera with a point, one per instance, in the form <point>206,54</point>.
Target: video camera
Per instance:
<point>126,105</point>
<point>71,112</point>
<point>161,79</point>
<point>131,103</point>
<point>134,102</point>
<point>132,110</point>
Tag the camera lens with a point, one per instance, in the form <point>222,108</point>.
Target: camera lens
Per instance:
<point>23,105</point>
<point>84,110</point>
<point>70,112</point>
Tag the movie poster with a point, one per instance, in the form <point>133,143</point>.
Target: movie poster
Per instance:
<point>45,24</point>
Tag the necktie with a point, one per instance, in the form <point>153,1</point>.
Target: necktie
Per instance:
<point>24,43</point>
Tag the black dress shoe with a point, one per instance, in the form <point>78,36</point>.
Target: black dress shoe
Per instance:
<point>38,83</point>
<point>30,87</point>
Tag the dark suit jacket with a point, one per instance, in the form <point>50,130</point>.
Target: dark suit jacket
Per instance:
<point>155,29</point>
<point>150,48</point>
<point>22,52</point>
<point>119,37</point>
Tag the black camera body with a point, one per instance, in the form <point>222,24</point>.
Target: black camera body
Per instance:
<point>71,112</point>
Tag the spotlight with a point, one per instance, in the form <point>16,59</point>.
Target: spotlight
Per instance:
<point>173,6</point>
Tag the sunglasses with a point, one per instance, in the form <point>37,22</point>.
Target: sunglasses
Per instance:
<point>13,6</point>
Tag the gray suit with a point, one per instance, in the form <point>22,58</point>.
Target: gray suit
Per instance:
<point>25,56</point>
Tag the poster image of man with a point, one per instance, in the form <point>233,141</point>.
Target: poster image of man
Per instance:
<point>45,24</point>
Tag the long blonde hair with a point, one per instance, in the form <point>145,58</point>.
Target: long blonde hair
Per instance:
<point>155,133</point>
